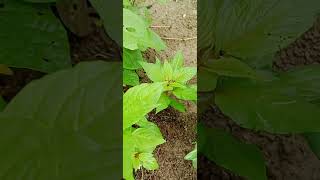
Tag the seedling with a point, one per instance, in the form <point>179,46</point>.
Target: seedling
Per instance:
<point>140,136</point>
<point>175,78</point>
<point>192,156</point>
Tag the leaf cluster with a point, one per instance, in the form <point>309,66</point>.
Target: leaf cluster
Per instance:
<point>238,41</point>
<point>175,78</point>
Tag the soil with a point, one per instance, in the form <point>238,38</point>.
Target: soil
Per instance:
<point>179,131</point>
<point>288,157</point>
<point>176,22</point>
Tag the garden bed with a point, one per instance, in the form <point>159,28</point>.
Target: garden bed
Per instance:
<point>175,22</point>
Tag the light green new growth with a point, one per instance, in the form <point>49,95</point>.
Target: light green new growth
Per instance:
<point>175,78</point>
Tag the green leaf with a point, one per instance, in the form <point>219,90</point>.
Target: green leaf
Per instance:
<point>230,67</point>
<point>126,3</point>
<point>207,80</point>
<point>153,71</point>
<point>147,138</point>
<point>148,161</point>
<point>130,77</point>
<point>186,93</point>
<point>140,100</point>
<point>144,123</point>
<point>177,105</point>
<point>155,41</point>
<point>2,103</point>
<point>177,85</point>
<point>167,71</point>
<point>192,156</point>
<point>131,59</point>
<point>244,159</point>
<point>266,106</point>
<point>60,122</point>
<point>134,29</point>
<point>137,34</point>
<point>128,155</point>
<point>314,142</point>
<point>164,102</point>
<point>32,37</point>
<point>253,28</point>
<point>185,74</point>
<point>109,13</point>
<point>204,100</point>
<point>177,61</point>
<point>305,80</point>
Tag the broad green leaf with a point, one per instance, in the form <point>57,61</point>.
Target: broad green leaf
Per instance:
<point>137,34</point>
<point>314,142</point>
<point>192,156</point>
<point>305,80</point>
<point>128,151</point>
<point>2,103</point>
<point>177,61</point>
<point>230,67</point>
<point>185,93</point>
<point>5,70</point>
<point>226,151</point>
<point>144,123</point>
<point>266,106</point>
<point>130,77</point>
<point>148,161</point>
<point>134,29</point>
<point>207,80</point>
<point>147,138</point>
<point>177,105</point>
<point>204,101</point>
<point>153,71</point>
<point>167,71</point>
<point>55,128</point>
<point>185,74</point>
<point>140,100</point>
<point>32,37</point>
<point>177,85</point>
<point>155,41</point>
<point>254,28</point>
<point>136,163</point>
<point>112,21</point>
<point>164,102</point>
<point>131,59</point>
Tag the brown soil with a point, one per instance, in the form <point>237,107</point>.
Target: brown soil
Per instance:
<point>179,130</point>
<point>176,23</point>
<point>288,157</point>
